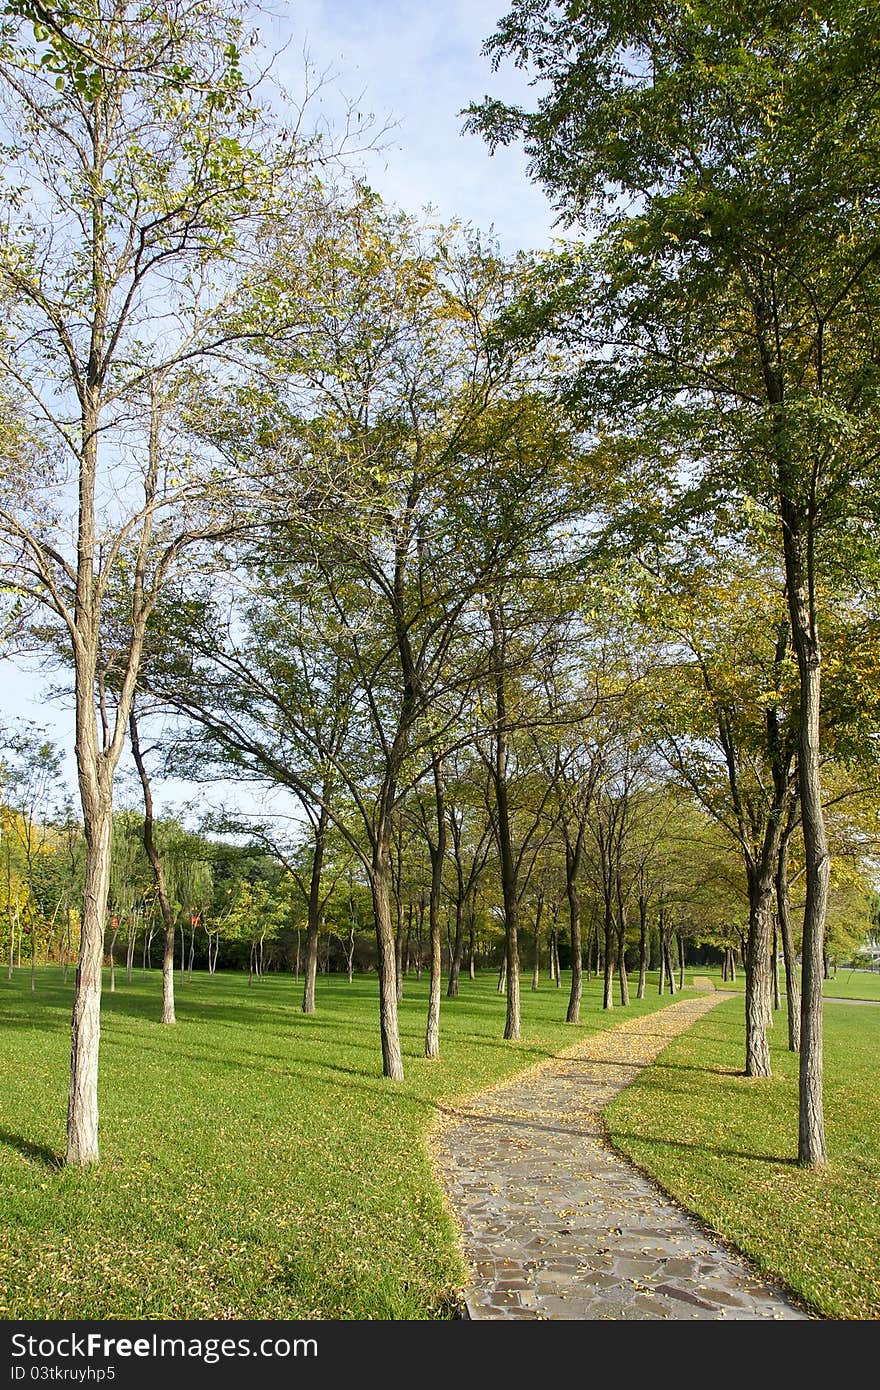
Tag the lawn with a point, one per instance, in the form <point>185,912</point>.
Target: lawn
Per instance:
<point>254,1162</point>
<point>845,984</point>
<point>722,1144</point>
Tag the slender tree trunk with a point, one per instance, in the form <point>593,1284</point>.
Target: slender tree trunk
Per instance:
<point>65,954</point>
<point>398,945</point>
<point>472,946</point>
<point>380,887</point>
<point>168,1013</point>
<point>621,945</point>
<point>313,923</point>
<point>758,974</point>
<point>536,963</point>
<point>608,984</point>
<point>113,959</point>
<point>666,953</point>
<point>774,970</point>
<point>801,591</point>
<point>420,932</point>
<point>621,971</point>
<point>82,1109</point>
<point>437,851</point>
<point>679,938</point>
<point>457,950</point>
<point>643,946</point>
<point>572,869</point>
<point>501,987</point>
<point>792,988</point>
<point>504,833</point>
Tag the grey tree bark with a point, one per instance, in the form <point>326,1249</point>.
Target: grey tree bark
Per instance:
<point>168,1014</point>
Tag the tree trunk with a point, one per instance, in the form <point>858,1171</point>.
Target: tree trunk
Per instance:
<point>501,987</point>
<point>643,946</point>
<point>801,591</point>
<point>621,970</point>
<point>572,869</point>
<point>679,938</point>
<point>380,888</point>
<point>65,954</point>
<point>536,963</point>
<point>457,949</point>
<point>621,945</point>
<point>398,950</point>
<point>113,958</point>
<point>82,1109</point>
<point>758,974</point>
<point>437,852</point>
<point>792,988</point>
<point>313,923</point>
<point>608,983</point>
<point>168,1013</point>
<point>774,970</point>
<point>503,831</point>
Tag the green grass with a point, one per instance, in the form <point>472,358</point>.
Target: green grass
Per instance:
<point>254,1162</point>
<point>854,984</point>
<point>722,1144</point>
<point>846,984</point>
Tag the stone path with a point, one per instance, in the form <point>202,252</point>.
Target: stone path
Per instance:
<point>556,1225</point>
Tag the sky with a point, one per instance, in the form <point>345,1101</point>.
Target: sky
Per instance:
<point>418,65</point>
<point>414,66</point>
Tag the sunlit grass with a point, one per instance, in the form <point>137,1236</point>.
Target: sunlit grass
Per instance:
<point>254,1162</point>
<point>843,984</point>
<point>724,1145</point>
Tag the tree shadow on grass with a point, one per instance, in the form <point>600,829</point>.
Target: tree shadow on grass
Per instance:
<point>37,1153</point>
<point>617,1137</point>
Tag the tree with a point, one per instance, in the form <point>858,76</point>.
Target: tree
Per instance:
<point>731,153</point>
<point>128,192</point>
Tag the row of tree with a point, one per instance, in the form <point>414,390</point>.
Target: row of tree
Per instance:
<point>496,555</point>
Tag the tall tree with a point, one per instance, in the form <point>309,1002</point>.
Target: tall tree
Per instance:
<point>128,188</point>
<point>732,153</point>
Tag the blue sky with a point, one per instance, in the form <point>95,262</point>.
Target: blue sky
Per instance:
<point>419,64</point>
<point>415,66</point>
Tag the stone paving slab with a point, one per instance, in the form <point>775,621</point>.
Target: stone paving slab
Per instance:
<point>555,1224</point>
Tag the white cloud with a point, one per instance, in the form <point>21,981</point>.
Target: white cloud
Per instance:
<point>420,65</point>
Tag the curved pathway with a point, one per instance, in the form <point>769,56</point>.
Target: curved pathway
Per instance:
<point>557,1225</point>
